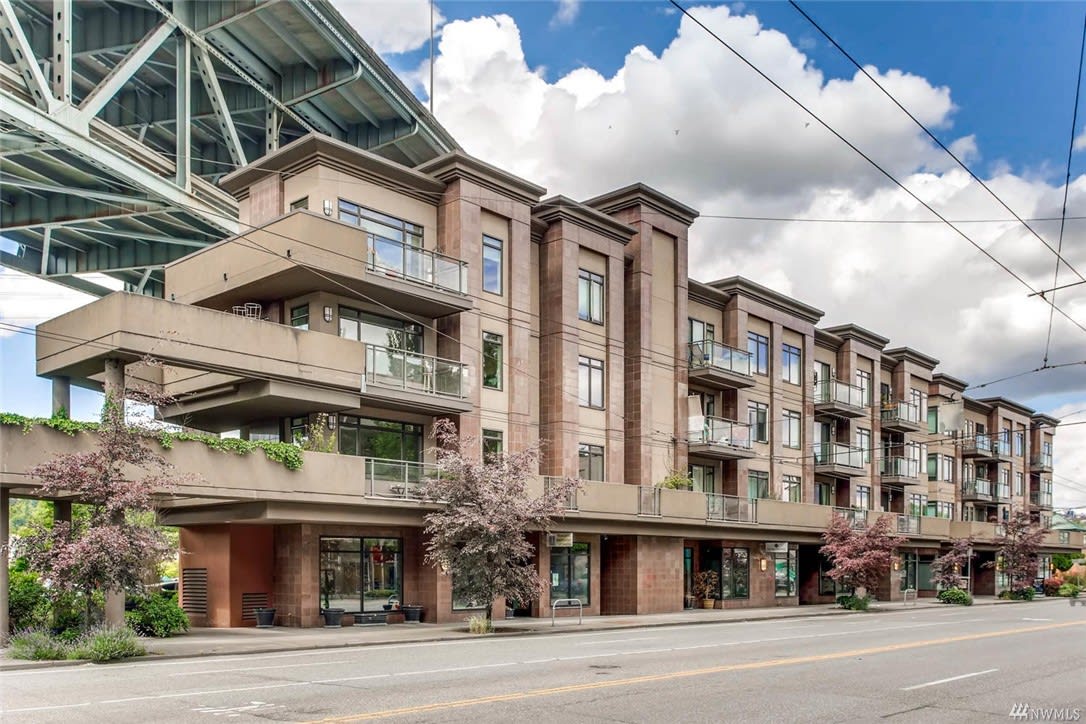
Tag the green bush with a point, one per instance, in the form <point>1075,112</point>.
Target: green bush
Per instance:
<point>956,596</point>
<point>854,603</point>
<point>38,645</point>
<point>1070,590</point>
<point>1062,561</point>
<point>28,601</point>
<point>157,615</point>
<point>107,643</point>
<point>1018,594</point>
<point>1051,586</point>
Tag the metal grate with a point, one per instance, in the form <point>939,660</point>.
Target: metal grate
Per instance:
<point>250,602</point>
<point>194,591</point>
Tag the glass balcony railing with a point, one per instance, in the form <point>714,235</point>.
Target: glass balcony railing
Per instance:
<point>571,501</point>
<point>1003,491</point>
<point>731,508</point>
<point>977,488</point>
<point>402,370</point>
<point>709,354</point>
<point>901,412</point>
<point>908,524</point>
<point>856,517</point>
<point>841,393</point>
<point>648,501</point>
<point>1043,460</point>
<point>900,466</point>
<point>401,479</point>
<point>415,264</point>
<point>835,453</point>
<point>1041,498</point>
<point>718,431</point>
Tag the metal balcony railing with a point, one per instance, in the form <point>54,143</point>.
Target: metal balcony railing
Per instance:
<point>708,353</point>
<point>412,372</point>
<point>1043,460</point>
<point>1041,498</point>
<point>908,524</point>
<point>835,453</point>
<point>718,431</point>
<point>416,264</point>
<point>731,508</point>
<point>648,501</point>
<point>900,466</point>
<point>840,392</point>
<point>401,479</point>
<point>901,411</point>
<point>571,501</point>
<point>977,488</point>
<point>856,517</point>
<point>1003,491</point>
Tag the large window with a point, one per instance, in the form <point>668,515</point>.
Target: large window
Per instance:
<point>299,316</point>
<point>791,429</point>
<point>791,490</point>
<point>381,226</point>
<point>863,441</point>
<point>734,573</point>
<point>791,364</point>
<point>590,461</point>
<point>940,509</point>
<point>784,574</point>
<point>492,265</point>
<point>381,331</point>
<point>933,420</point>
<point>863,381</point>
<point>492,360</point>
<point>360,574</point>
<point>492,443</point>
<point>758,346</point>
<point>571,573</point>
<point>590,297</point>
<point>701,331</point>
<point>1019,443</point>
<point>703,477</point>
<point>383,439</point>
<point>917,503</point>
<point>298,429</point>
<point>590,382</point>
<point>825,494</point>
<point>757,484</point>
<point>863,497</point>
<point>758,416</point>
<point>1018,483</point>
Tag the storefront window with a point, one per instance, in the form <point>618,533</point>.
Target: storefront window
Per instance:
<point>784,574</point>
<point>735,573</point>
<point>570,574</point>
<point>381,439</point>
<point>360,574</point>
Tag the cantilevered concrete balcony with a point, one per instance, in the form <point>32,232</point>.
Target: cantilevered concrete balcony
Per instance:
<point>902,416</point>
<point>984,448</point>
<point>719,366</point>
<point>838,460</point>
<point>897,472</point>
<point>840,399</point>
<point>720,439</point>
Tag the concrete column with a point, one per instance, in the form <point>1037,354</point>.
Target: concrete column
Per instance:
<point>62,395</point>
<point>5,511</point>
<point>114,389</point>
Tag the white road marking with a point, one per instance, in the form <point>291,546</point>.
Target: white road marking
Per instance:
<point>952,678</point>
<point>618,641</point>
<point>1036,619</point>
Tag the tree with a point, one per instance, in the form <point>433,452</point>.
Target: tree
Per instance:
<point>946,569</point>
<point>479,534</point>
<point>859,557</point>
<point>1018,546</point>
<point>112,547</point>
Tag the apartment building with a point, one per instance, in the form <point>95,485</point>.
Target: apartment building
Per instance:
<point>365,299</point>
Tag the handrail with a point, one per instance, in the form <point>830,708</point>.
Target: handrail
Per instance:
<point>833,390</point>
<point>836,453</point>
<point>416,264</point>
<point>708,353</point>
<point>719,431</point>
<point>901,410</point>
<point>568,603</point>
<point>731,508</point>
<point>400,479</point>
<point>417,372</point>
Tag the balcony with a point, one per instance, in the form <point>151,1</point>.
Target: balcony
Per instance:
<point>908,524</point>
<point>856,517</point>
<point>720,439</point>
<point>977,489</point>
<point>902,417</point>
<point>839,461</point>
<point>899,471</point>
<point>839,399</point>
<point>648,501</point>
<point>1002,491</point>
<point>983,448</point>
<point>414,382</point>
<point>719,366</point>
<point>397,479</point>
<point>571,502</point>
<point>420,266</point>
<point>1040,463</point>
<point>1041,499</point>
<point>731,509</point>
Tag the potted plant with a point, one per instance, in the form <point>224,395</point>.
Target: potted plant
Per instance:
<point>333,617</point>
<point>412,613</point>
<point>265,617</point>
<point>706,584</point>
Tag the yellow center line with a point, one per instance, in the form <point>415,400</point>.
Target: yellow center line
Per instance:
<point>768,663</point>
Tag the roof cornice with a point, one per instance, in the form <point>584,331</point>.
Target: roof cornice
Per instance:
<point>908,354</point>
<point>1041,419</point>
<point>643,195</point>
<point>702,292</point>
<point>457,164</point>
<point>562,208</point>
<point>827,339</point>
<point>858,333</point>
<point>1010,405</point>
<point>745,287</point>
<point>942,378</point>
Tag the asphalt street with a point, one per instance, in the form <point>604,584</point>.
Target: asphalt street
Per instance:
<point>910,665</point>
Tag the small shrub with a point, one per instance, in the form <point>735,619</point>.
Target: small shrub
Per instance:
<point>1069,590</point>
<point>1018,594</point>
<point>157,615</point>
<point>1051,586</point>
<point>480,625</point>
<point>38,645</point>
<point>844,600</point>
<point>854,603</point>
<point>956,596</point>
<point>107,643</point>
<point>676,480</point>
<point>28,600</point>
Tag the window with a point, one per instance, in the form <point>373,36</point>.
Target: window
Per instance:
<point>825,494</point>
<point>1019,443</point>
<point>380,331</point>
<point>590,297</point>
<point>791,366</point>
<point>946,473</point>
<point>590,459</point>
<point>933,420</point>
<point>784,573</point>
<point>863,441</point>
<point>917,503</point>
<point>380,439</point>
<point>299,316</point>
<point>570,574</point>
<point>940,509</point>
<point>492,265</point>
<point>863,497</point>
<point>590,382</point>
<point>708,403</point>
<point>302,203</point>
<point>758,414</point>
<point>933,467</point>
<point>463,603</point>
<point>884,393</point>
<point>863,381</point>
<point>1004,483</point>
<point>791,490</point>
<point>492,361</point>
<point>492,443</point>
<point>703,477</point>
<point>387,240</point>
<point>757,484</point>
<point>826,585</point>
<point>758,346</point>
<point>299,428</point>
<point>360,574</point>
<point>734,573</point>
<point>701,331</point>
<point>1018,483</point>
<point>791,424</point>
<point>823,372</point>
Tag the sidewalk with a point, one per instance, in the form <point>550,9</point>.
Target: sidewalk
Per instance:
<point>234,641</point>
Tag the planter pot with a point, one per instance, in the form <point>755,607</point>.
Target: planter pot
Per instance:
<point>708,603</point>
<point>265,617</point>
<point>412,614</point>
<point>394,617</point>
<point>333,617</point>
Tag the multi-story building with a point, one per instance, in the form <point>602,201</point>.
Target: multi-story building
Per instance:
<point>368,298</point>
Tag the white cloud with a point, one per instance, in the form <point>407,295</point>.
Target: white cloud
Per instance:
<point>1080,141</point>
<point>567,12</point>
<point>1069,453</point>
<point>27,300</point>
<point>744,149</point>
<point>391,26</point>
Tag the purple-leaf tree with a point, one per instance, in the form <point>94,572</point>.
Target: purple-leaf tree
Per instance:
<point>946,570</point>
<point>110,549</point>
<point>479,535</point>
<point>1018,545</point>
<point>859,557</point>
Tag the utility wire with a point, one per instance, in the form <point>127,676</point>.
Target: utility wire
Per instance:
<point>872,162</point>
<point>941,145</point>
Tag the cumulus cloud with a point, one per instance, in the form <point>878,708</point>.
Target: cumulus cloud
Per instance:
<point>567,12</point>
<point>700,126</point>
<point>391,26</point>
<point>26,300</point>
<point>1069,453</point>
